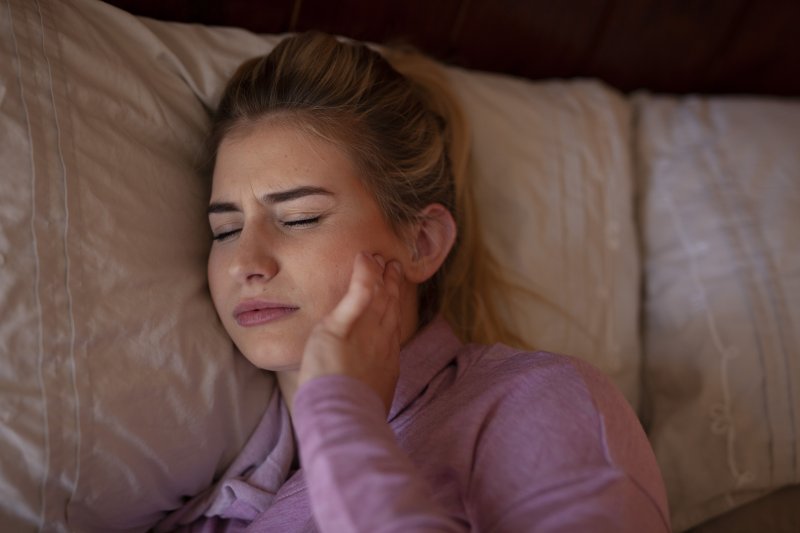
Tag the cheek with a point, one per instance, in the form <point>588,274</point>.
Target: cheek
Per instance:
<point>331,277</point>
<point>214,274</point>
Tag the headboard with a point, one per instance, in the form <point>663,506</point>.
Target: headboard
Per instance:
<point>702,46</point>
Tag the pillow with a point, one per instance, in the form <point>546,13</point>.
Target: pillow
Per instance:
<point>120,392</point>
<point>720,190</point>
<point>554,189</point>
<point>554,195</point>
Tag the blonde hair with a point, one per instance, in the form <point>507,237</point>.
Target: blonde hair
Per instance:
<point>395,115</point>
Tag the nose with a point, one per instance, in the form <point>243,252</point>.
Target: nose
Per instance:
<point>254,260</point>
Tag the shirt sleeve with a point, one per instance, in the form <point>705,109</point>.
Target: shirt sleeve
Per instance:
<point>358,478</point>
<point>555,451</point>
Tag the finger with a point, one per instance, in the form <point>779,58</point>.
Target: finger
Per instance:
<point>357,298</point>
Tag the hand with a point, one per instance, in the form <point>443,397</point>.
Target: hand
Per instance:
<point>361,336</point>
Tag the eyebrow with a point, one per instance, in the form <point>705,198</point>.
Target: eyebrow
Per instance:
<point>271,198</point>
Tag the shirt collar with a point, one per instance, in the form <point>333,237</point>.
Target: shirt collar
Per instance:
<point>425,355</point>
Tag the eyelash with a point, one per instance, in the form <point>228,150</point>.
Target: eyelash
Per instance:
<point>302,222</point>
<point>225,235</point>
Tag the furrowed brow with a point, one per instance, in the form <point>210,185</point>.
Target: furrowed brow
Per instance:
<point>294,194</point>
<point>223,207</point>
<point>271,198</point>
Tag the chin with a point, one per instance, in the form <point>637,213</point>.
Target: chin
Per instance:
<point>277,357</point>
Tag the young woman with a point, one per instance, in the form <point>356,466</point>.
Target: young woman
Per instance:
<point>346,260</point>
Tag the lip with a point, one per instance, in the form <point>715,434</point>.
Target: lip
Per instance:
<point>256,312</point>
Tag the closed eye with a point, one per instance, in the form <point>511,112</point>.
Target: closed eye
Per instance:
<point>302,222</point>
<point>225,235</point>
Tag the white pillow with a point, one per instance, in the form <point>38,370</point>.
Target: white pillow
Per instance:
<point>720,215</point>
<point>554,188</point>
<point>119,390</point>
<point>553,169</point>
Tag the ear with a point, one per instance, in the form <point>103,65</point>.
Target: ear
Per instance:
<point>431,239</point>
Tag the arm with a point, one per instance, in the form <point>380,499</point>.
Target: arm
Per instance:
<point>549,474</point>
<point>542,457</point>
<point>358,478</point>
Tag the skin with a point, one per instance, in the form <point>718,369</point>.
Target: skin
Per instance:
<point>295,226</point>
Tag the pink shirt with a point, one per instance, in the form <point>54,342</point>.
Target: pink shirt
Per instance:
<point>484,438</point>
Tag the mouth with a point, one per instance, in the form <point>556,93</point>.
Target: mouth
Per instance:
<point>254,312</point>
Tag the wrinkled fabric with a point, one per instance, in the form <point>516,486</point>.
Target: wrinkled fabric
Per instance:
<point>250,483</point>
<point>719,196</point>
<point>478,438</point>
<point>119,390</point>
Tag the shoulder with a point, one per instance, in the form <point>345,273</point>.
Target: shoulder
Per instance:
<point>546,380</point>
<point>555,415</point>
<point>562,411</point>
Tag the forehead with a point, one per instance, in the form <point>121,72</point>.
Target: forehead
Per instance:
<point>272,154</point>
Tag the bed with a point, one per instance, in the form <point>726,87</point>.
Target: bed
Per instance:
<point>637,166</point>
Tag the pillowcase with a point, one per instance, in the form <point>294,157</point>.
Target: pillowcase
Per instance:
<point>554,189</point>
<point>720,190</point>
<point>120,392</point>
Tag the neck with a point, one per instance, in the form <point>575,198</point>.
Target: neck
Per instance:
<point>288,383</point>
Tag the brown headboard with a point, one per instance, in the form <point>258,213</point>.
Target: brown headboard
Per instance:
<point>676,46</point>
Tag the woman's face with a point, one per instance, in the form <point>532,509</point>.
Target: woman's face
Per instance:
<point>289,214</point>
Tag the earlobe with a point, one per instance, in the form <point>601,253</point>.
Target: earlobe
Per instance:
<point>432,239</point>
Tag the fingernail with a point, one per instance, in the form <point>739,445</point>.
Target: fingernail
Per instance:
<point>380,260</point>
<point>396,265</point>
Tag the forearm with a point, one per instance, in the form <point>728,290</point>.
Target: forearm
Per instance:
<point>358,477</point>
